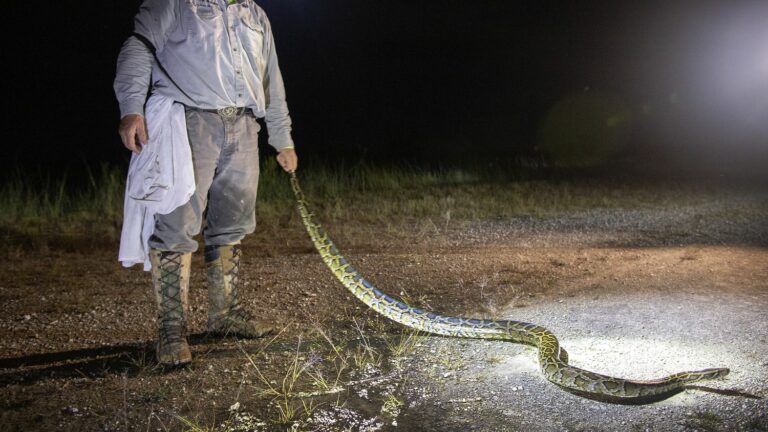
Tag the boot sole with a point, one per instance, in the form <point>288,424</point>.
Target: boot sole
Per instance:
<point>184,358</point>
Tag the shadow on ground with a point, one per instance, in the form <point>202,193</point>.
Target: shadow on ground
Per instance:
<point>127,359</point>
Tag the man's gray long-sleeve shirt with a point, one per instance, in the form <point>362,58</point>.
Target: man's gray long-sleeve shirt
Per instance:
<point>220,54</point>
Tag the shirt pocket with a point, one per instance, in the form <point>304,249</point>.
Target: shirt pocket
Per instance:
<point>205,10</point>
<point>203,18</point>
<point>253,38</point>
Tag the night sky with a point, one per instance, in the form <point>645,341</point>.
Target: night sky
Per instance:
<point>417,81</point>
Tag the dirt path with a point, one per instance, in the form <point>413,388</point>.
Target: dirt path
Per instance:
<point>632,293</point>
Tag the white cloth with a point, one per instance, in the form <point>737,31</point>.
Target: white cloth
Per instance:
<point>160,179</point>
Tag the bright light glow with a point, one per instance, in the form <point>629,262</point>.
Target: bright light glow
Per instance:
<point>702,76</point>
<point>733,65</point>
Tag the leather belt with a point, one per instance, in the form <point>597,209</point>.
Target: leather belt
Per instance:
<point>227,112</point>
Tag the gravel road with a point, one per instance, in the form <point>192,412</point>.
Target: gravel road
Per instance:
<point>691,294</point>
<point>721,220</point>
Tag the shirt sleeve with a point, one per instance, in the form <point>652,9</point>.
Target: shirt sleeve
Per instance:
<point>155,20</point>
<point>277,117</point>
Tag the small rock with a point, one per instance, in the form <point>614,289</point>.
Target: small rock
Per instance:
<point>71,410</point>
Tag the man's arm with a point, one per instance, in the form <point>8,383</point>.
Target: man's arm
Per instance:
<point>277,117</point>
<point>155,20</point>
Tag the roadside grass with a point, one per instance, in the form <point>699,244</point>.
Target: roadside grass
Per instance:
<point>39,208</point>
<point>291,391</point>
<point>283,393</point>
<point>192,426</point>
<point>35,206</point>
<point>323,371</point>
<point>403,345</point>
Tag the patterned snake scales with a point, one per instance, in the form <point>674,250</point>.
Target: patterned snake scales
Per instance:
<point>553,359</point>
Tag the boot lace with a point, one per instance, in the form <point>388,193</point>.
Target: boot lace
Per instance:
<point>172,309</point>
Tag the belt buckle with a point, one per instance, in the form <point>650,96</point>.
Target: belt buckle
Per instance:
<point>228,112</point>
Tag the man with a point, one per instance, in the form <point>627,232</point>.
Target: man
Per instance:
<point>217,58</point>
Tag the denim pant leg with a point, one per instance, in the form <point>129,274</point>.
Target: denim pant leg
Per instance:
<point>175,231</point>
<point>232,197</point>
<point>226,164</point>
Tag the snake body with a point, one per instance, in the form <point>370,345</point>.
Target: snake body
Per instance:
<point>553,360</point>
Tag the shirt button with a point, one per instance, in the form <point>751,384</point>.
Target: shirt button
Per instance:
<point>239,95</point>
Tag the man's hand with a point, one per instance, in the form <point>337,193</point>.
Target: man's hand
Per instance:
<point>133,132</point>
<point>288,160</point>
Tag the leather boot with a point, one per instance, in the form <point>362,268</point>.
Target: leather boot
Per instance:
<point>225,314</point>
<point>170,276</point>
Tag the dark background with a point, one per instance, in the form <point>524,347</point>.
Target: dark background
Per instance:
<point>429,82</point>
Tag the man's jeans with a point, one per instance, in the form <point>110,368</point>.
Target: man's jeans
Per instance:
<point>226,161</point>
